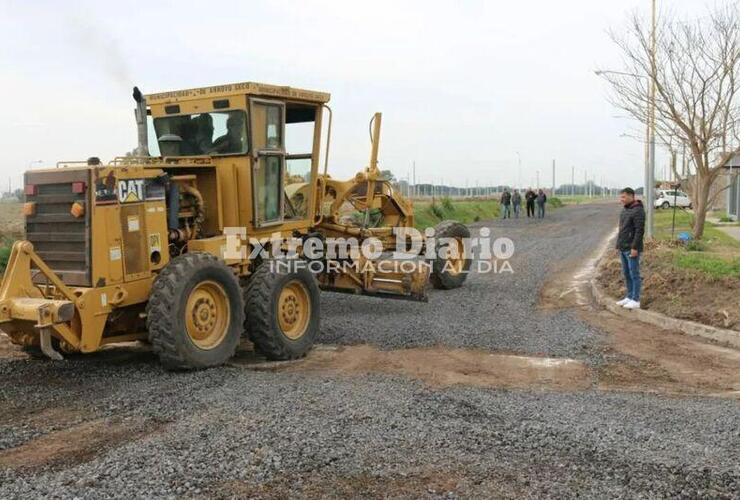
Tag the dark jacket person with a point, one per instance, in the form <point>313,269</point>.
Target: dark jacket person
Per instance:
<point>541,199</point>
<point>630,245</point>
<point>506,204</point>
<point>516,201</point>
<point>529,197</point>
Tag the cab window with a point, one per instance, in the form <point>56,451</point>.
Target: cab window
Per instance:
<point>214,133</point>
<point>274,127</point>
<point>268,187</point>
<point>300,124</point>
<point>267,121</point>
<point>282,139</point>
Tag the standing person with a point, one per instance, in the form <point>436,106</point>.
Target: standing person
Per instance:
<point>541,200</point>
<point>516,201</point>
<point>529,197</point>
<point>630,246</point>
<point>506,203</point>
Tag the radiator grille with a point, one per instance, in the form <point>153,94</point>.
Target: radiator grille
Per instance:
<point>60,239</point>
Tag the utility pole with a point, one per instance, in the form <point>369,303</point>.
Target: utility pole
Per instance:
<point>553,177</point>
<point>538,179</point>
<point>572,181</point>
<point>413,168</point>
<point>590,185</point>
<point>585,182</point>
<point>650,188</point>
<point>519,171</point>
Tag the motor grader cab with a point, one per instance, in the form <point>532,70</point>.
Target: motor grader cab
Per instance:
<point>169,244</point>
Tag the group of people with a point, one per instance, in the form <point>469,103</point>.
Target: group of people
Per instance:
<point>511,203</point>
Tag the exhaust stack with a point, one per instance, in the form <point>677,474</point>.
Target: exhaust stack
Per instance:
<point>143,148</point>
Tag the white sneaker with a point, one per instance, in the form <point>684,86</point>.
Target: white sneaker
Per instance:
<point>623,301</point>
<point>632,304</point>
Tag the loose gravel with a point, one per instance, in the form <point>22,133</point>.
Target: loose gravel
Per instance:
<point>495,311</point>
<point>233,433</point>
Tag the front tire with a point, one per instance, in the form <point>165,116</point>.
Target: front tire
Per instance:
<point>195,312</point>
<point>450,272</point>
<point>666,205</point>
<point>282,309</point>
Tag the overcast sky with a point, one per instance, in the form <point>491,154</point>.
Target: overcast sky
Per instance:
<point>463,86</point>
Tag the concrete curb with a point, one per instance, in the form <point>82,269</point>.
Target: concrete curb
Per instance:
<point>729,337</point>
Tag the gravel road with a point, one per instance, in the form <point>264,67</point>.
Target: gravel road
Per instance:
<point>493,310</point>
<point>115,425</point>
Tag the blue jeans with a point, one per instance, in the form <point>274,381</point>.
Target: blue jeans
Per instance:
<point>507,211</point>
<point>631,270</point>
<point>541,210</point>
<point>517,209</point>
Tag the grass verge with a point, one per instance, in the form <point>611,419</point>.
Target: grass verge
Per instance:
<point>713,267</point>
<point>713,237</point>
<point>11,229</point>
<point>428,214</point>
<point>5,247</point>
<point>555,202</point>
<point>577,199</point>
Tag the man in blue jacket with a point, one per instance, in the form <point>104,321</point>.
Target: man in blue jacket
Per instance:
<point>630,245</point>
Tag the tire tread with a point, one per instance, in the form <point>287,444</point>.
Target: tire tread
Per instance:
<point>163,333</point>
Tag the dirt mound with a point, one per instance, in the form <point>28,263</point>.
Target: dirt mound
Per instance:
<point>680,293</point>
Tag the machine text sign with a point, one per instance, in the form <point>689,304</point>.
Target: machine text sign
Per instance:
<point>130,190</point>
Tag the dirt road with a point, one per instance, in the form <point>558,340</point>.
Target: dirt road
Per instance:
<point>513,385</point>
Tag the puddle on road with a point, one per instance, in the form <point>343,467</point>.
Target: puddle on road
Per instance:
<point>441,367</point>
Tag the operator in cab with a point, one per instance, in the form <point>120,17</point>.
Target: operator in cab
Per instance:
<point>231,141</point>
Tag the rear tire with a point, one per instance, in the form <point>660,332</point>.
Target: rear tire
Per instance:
<point>282,310</point>
<point>449,273</point>
<point>195,313</point>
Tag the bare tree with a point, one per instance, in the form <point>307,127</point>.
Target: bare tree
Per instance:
<point>696,70</point>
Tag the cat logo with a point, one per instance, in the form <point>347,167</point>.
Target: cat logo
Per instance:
<point>130,190</point>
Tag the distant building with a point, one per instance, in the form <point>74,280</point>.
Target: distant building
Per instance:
<point>733,190</point>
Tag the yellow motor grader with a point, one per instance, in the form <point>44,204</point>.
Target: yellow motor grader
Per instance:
<point>189,242</point>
